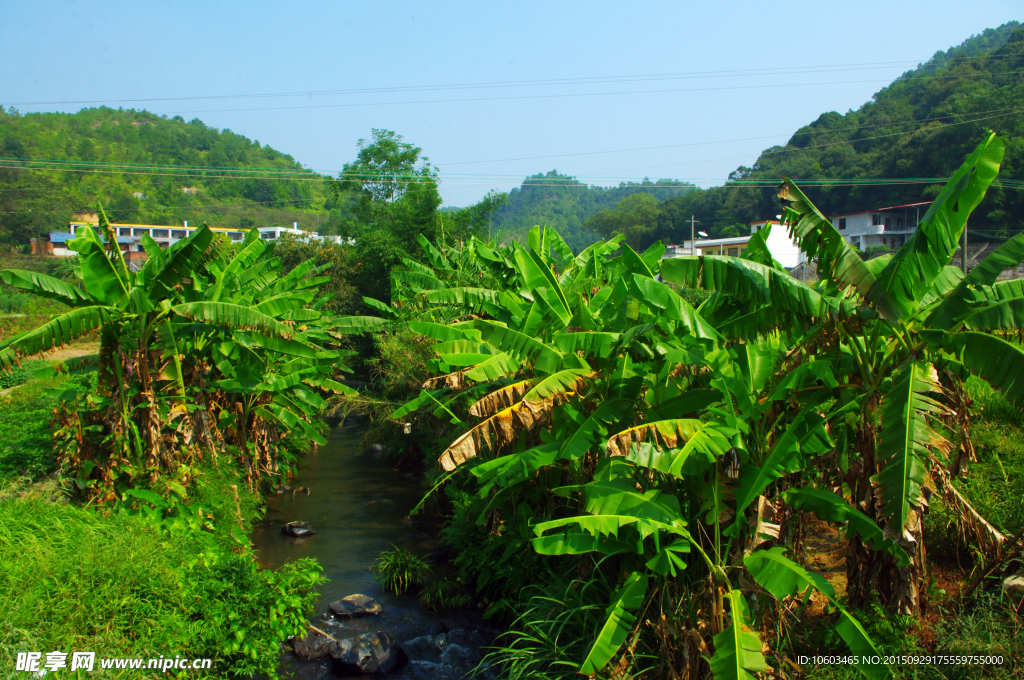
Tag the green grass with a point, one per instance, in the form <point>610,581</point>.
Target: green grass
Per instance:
<point>19,375</point>
<point>986,625</point>
<point>399,570</point>
<point>443,593</point>
<point>26,438</point>
<point>994,486</point>
<point>556,622</point>
<point>120,585</point>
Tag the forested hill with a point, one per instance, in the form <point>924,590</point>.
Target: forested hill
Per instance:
<point>147,168</point>
<point>563,202</point>
<point>892,150</point>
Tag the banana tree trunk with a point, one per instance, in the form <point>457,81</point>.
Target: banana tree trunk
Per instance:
<point>876,573</point>
<point>861,562</point>
<point>903,589</point>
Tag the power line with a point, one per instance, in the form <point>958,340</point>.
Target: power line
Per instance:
<point>730,141</point>
<point>560,82</point>
<point>310,175</point>
<point>566,95</point>
<point>791,149</point>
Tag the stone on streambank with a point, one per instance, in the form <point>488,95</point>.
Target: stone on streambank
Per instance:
<point>297,529</point>
<point>1013,587</point>
<point>367,654</point>
<point>356,606</point>
<point>313,646</point>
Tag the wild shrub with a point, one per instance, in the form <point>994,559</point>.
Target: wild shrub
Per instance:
<point>399,570</point>
<point>120,585</point>
<point>443,593</point>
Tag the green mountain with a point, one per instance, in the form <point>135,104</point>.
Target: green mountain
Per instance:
<point>563,202</point>
<point>151,169</point>
<point>894,149</point>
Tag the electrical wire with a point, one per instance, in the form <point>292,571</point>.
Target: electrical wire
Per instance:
<point>555,82</point>
<point>565,95</point>
<point>278,173</point>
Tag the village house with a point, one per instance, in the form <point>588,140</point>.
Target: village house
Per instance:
<point>780,245</point>
<point>890,226</point>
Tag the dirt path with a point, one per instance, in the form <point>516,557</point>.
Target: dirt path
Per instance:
<point>825,550</point>
<point>64,353</point>
<point>72,351</point>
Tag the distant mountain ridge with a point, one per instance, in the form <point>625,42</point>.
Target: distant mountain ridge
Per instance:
<point>563,202</point>
<point>921,126</point>
<point>149,168</point>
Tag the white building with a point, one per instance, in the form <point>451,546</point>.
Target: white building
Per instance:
<point>780,245</point>
<point>166,235</point>
<point>890,226</point>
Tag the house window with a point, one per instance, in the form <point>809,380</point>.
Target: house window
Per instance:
<point>842,223</point>
<point>124,231</point>
<point>888,224</point>
<point>140,232</point>
<point>177,233</point>
<point>876,220</point>
<point>733,252</point>
<point>160,233</point>
<point>235,235</point>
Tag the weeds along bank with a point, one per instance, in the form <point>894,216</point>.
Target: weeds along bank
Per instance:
<point>635,484</point>
<point>194,390</point>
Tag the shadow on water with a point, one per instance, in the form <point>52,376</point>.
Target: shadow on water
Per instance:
<point>359,506</point>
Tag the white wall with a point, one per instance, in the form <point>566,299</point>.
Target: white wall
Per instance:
<point>781,246</point>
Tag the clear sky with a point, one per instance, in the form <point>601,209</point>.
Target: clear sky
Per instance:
<point>716,82</point>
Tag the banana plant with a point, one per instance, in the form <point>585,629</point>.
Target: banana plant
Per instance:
<point>200,338</point>
<point>667,442</point>
<point>907,330</point>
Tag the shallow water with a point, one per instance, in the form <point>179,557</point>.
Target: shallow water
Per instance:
<point>359,506</point>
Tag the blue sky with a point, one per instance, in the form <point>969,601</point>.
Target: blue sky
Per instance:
<point>715,81</point>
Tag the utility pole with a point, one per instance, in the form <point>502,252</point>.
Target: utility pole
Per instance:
<point>693,241</point>
<point>963,251</point>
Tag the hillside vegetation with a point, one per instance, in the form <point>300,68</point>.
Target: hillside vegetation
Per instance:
<point>893,149</point>
<point>564,203</point>
<point>918,129</point>
<point>148,168</point>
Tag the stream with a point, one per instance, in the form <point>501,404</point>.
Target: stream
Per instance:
<point>359,506</point>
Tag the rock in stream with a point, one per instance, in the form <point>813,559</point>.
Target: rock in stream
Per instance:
<point>356,606</point>
<point>297,529</point>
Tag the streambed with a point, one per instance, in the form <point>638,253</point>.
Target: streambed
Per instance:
<point>359,506</point>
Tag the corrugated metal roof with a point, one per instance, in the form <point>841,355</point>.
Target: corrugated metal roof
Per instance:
<point>714,242</point>
<point>890,207</point>
<point>159,226</point>
<point>64,237</point>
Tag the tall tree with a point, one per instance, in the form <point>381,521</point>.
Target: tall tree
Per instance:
<point>635,217</point>
<point>397,188</point>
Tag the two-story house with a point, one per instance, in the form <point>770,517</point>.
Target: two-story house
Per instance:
<point>890,226</point>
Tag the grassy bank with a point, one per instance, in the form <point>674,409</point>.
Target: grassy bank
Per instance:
<point>124,586</point>
<point>146,579</point>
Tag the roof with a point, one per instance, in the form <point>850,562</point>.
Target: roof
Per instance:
<point>177,227</point>
<point>711,242</point>
<point>890,207</point>
<point>765,222</point>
